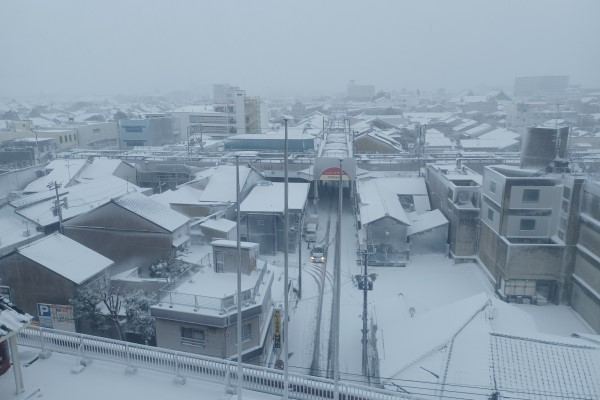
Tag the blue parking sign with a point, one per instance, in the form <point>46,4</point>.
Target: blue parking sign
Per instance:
<point>44,310</point>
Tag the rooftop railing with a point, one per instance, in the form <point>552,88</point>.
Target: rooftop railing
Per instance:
<point>170,295</point>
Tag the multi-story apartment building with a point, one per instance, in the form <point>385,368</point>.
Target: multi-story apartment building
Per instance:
<point>518,243</point>
<point>203,121</point>
<point>257,115</point>
<point>541,86</point>
<point>231,100</point>
<point>455,190</point>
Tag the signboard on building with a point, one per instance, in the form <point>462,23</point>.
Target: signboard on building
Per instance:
<point>277,328</point>
<point>5,292</point>
<point>56,316</point>
<point>333,174</point>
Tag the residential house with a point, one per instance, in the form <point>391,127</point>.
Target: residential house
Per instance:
<point>133,230</point>
<point>262,215</point>
<point>198,312</point>
<point>394,211</point>
<point>50,270</point>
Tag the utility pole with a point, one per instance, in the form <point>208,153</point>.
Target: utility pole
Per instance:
<point>337,283</point>
<point>239,282</point>
<point>188,140</point>
<point>286,375</point>
<point>57,204</point>
<point>300,256</point>
<point>364,316</point>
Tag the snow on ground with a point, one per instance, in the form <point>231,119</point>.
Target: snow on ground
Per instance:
<point>556,320</point>
<point>52,379</point>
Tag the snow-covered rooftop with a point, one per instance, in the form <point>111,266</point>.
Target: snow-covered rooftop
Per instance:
<point>61,172</point>
<point>426,221</point>
<point>233,244</point>
<point>222,187</point>
<point>101,167</point>
<point>66,257</point>
<point>378,201</point>
<point>219,224</point>
<point>153,211</point>
<point>14,229</point>
<point>268,197</point>
<point>183,195</point>
<point>81,198</point>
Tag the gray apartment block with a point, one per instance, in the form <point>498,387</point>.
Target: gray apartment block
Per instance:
<point>585,293</point>
<point>518,242</point>
<point>456,191</point>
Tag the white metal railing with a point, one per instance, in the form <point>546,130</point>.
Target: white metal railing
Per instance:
<point>261,379</point>
<point>170,295</point>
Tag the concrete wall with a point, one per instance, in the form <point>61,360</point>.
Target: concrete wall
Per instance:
<point>219,342</point>
<point>586,305</point>
<point>533,261</point>
<point>248,261</point>
<point>464,232</point>
<point>585,296</point>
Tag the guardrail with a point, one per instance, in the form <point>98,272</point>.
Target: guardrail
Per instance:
<point>182,365</point>
<point>169,294</point>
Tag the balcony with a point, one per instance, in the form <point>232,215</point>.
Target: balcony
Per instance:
<point>191,291</point>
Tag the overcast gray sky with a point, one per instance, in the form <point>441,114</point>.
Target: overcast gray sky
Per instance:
<point>278,47</point>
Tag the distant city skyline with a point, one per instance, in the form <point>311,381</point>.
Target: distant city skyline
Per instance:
<point>274,48</point>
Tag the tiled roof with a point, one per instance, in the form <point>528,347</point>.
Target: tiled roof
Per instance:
<point>537,369</point>
<point>152,210</point>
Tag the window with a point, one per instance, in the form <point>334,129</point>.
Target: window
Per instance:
<point>527,224</point>
<point>246,333</point>
<point>219,261</point>
<point>565,206</point>
<point>70,138</point>
<point>490,214</point>
<point>133,128</point>
<point>531,195</point>
<point>492,186</point>
<point>60,138</point>
<point>450,194</point>
<point>193,337</point>
<point>566,193</point>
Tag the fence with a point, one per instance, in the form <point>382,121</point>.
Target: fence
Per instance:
<point>169,294</point>
<point>181,364</point>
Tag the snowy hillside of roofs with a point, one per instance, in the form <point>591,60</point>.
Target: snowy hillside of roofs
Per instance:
<point>432,246</point>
